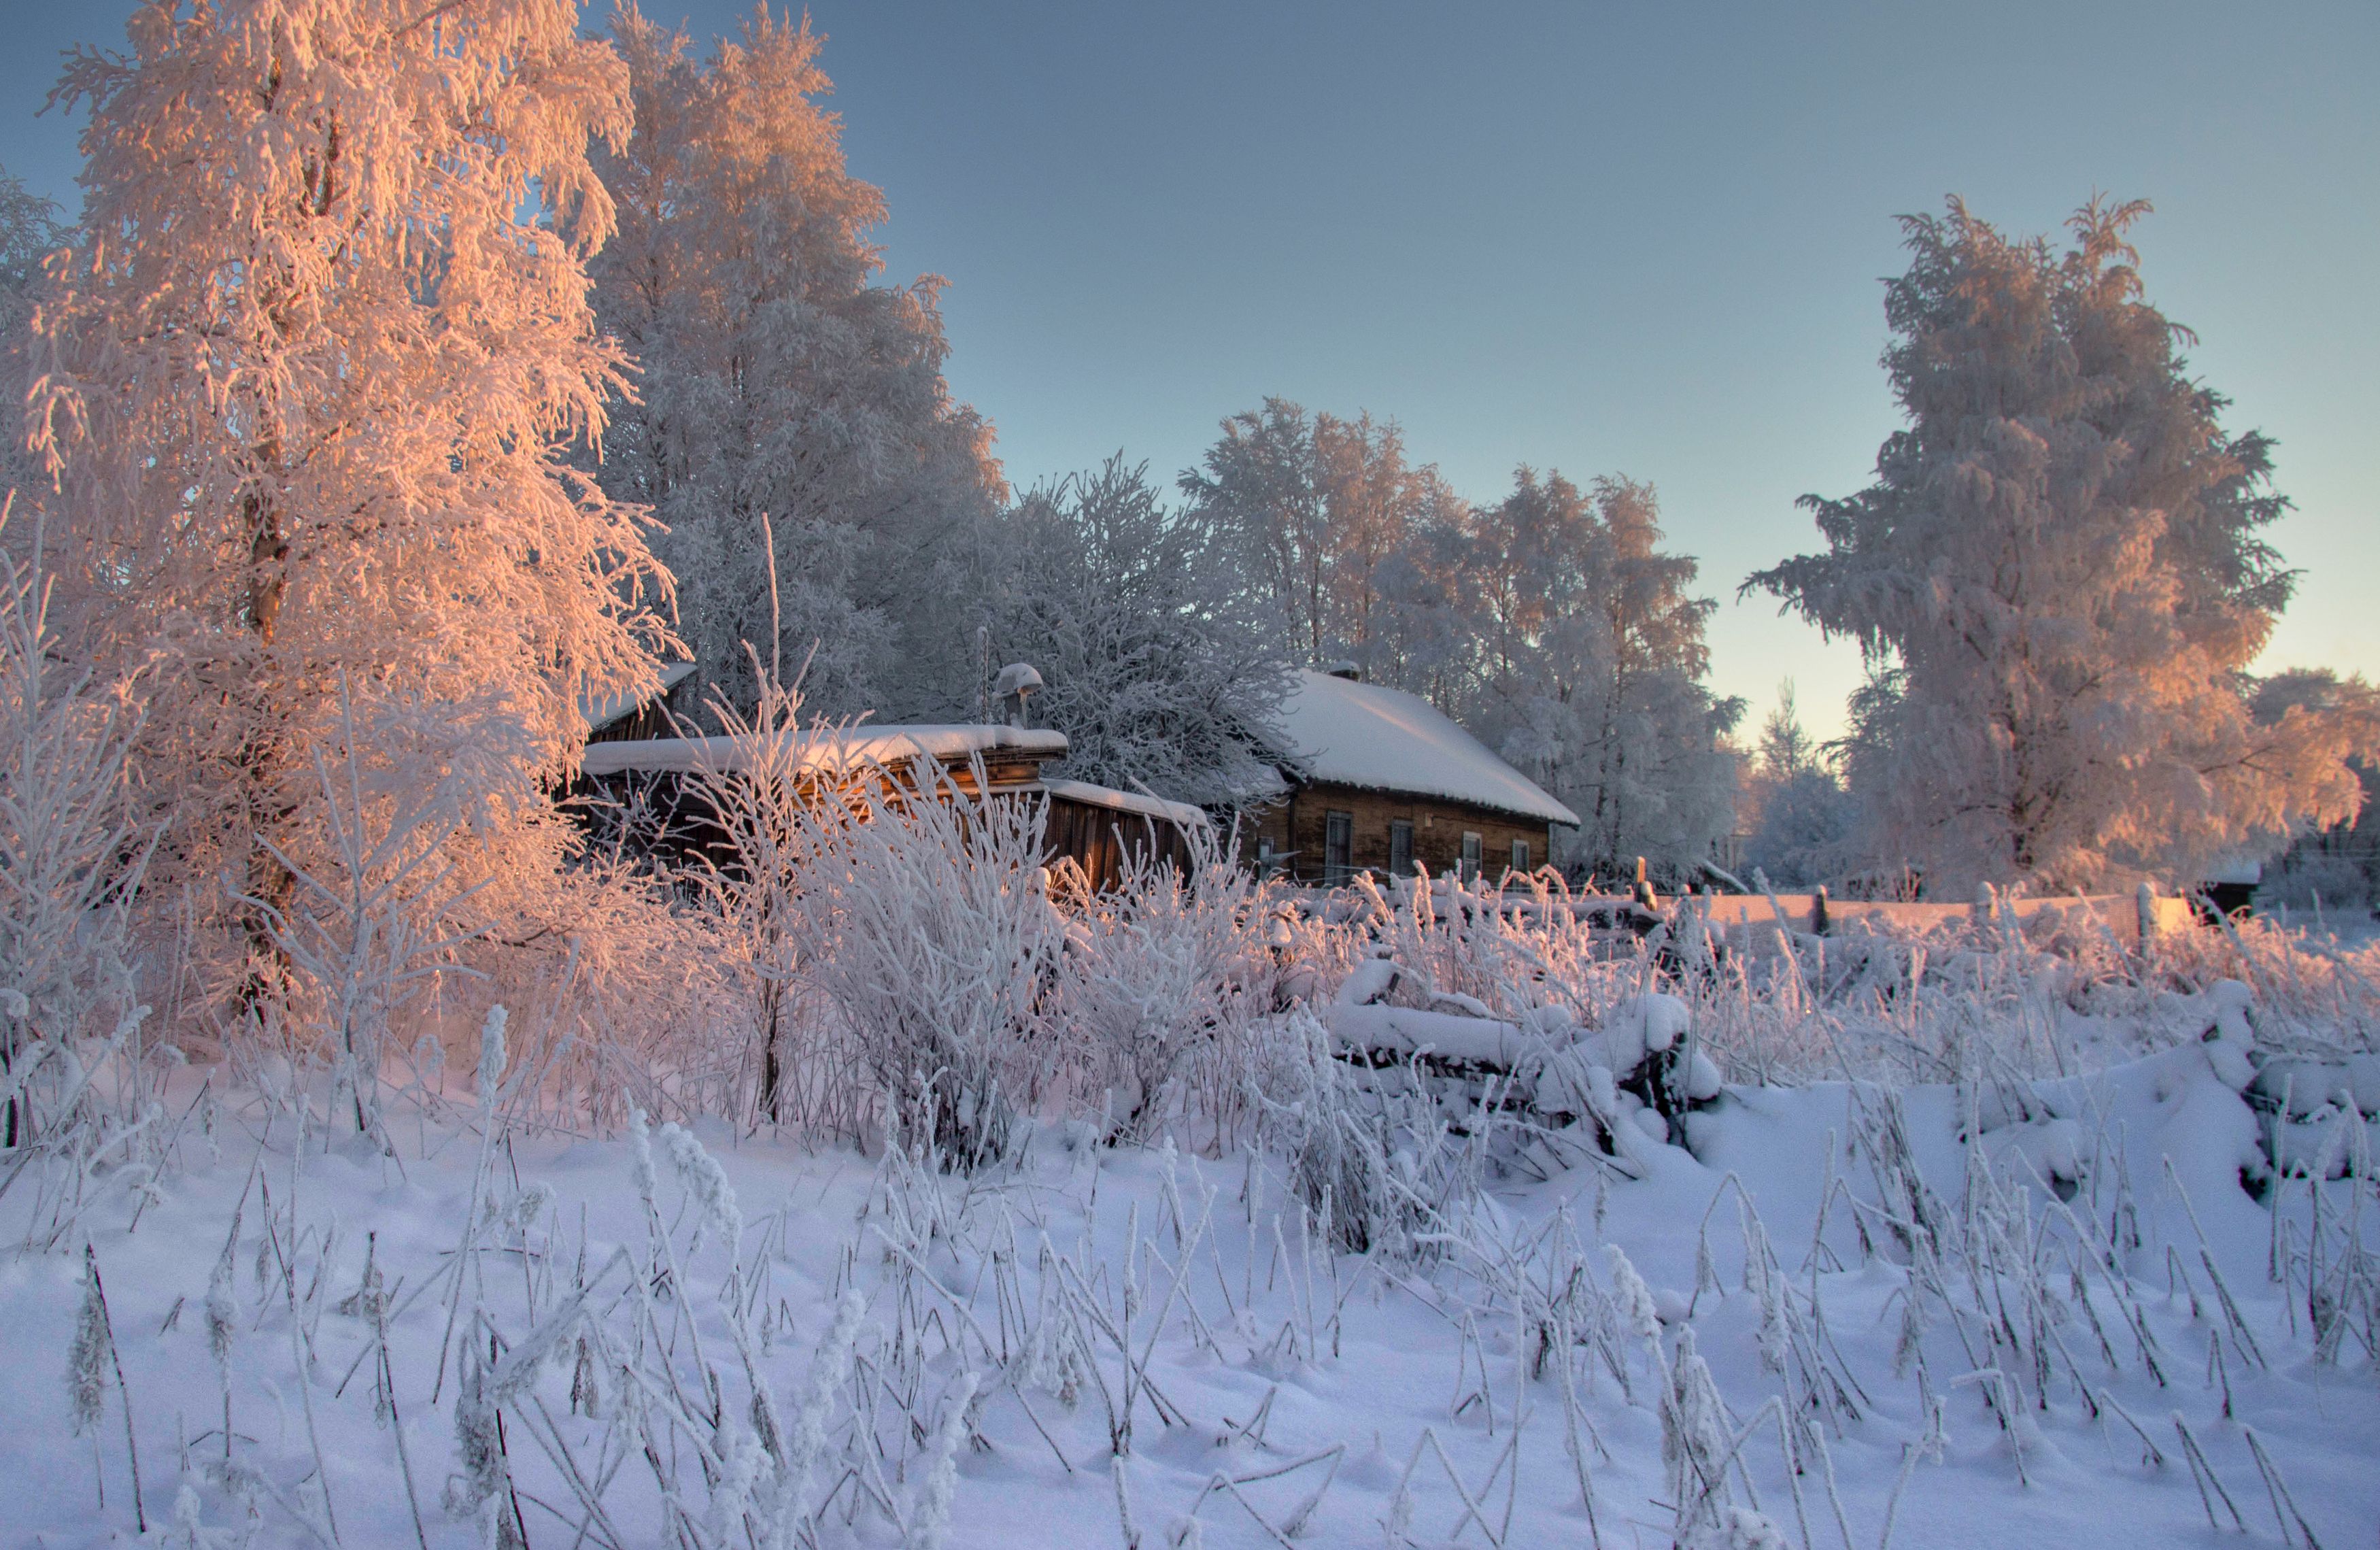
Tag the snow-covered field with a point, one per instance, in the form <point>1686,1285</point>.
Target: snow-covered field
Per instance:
<point>2081,1328</point>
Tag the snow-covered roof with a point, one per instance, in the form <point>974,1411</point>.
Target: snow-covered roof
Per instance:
<point>835,749</point>
<point>599,711</point>
<point>1181,815</point>
<point>1356,734</point>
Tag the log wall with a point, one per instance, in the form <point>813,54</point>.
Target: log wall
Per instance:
<point>1299,824</point>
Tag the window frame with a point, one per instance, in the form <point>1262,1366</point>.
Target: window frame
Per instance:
<point>1338,848</point>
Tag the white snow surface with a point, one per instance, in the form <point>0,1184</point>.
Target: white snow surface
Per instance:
<point>1385,739</point>
<point>830,750</point>
<point>1251,1378</point>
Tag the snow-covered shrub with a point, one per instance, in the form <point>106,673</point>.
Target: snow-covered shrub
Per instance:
<point>376,918</point>
<point>1334,1146</point>
<point>71,863</point>
<point>1376,1156</point>
<point>927,920</point>
<point>761,799</point>
<point>1163,975</point>
<point>2320,885</point>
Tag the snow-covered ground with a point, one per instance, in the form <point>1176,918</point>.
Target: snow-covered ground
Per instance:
<point>500,1335</point>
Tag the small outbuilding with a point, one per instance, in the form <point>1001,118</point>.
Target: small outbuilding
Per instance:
<point>613,718</point>
<point>642,781</point>
<point>1375,779</point>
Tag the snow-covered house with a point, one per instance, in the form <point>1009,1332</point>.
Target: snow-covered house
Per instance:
<point>1377,779</point>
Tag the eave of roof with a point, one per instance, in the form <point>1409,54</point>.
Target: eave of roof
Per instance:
<point>599,711</point>
<point>1180,815</point>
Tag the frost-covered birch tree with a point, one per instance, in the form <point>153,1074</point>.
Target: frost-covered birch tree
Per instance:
<point>30,232</point>
<point>1322,512</point>
<point>2062,575</point>
<point>777,378</point>
<point>1156,664</point>
<point>306,379</point>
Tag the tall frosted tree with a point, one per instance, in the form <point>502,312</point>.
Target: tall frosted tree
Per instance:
<point>307,380</point>
<point>1260,482</point>
<point>30,232</point>
<point>778,379</point>
<point>2061,576</point>
<point>1324,513</point>
<point>1586,667</point>
<point>1800,815</point>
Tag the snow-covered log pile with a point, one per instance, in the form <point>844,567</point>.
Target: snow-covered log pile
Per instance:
<point>1638,1073</point>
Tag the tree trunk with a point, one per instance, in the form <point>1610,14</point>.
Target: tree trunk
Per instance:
<point>270,887</point>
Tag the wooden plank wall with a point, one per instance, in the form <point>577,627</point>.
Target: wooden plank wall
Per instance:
<point>1098,840</point>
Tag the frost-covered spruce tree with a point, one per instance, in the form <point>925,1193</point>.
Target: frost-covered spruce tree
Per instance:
<point>778,378</point>
<point>2061,574</point>
<point>1156,662</point>
<point>307,378</point>
<point>1801,816</point>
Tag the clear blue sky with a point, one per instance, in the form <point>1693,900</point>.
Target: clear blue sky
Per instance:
<point>1641,239</point>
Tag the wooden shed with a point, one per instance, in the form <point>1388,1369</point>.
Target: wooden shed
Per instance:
<point>1095,826</point>
<point>1099,827</point>
<point>1375,779</point>
<point>621,717</point>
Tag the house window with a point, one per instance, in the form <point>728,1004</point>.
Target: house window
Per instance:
<point>1338,848</point>
<point>1470,857</point>
<point>1521,857</point>
<point>1264,858</point>
<point>1401,847</point>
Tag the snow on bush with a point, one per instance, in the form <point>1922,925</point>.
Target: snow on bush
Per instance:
<point>1165,989</point>
<point>936,937</point>
<point>75,1077</point>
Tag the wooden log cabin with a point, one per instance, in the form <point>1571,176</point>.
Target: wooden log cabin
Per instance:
<point>1375,779</point>
<point>643,781</point>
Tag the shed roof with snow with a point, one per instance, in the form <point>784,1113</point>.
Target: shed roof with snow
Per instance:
<point>609,716</point>
<point>831,750</point>
<point>1099,829</point>
<point>1343,732</point>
